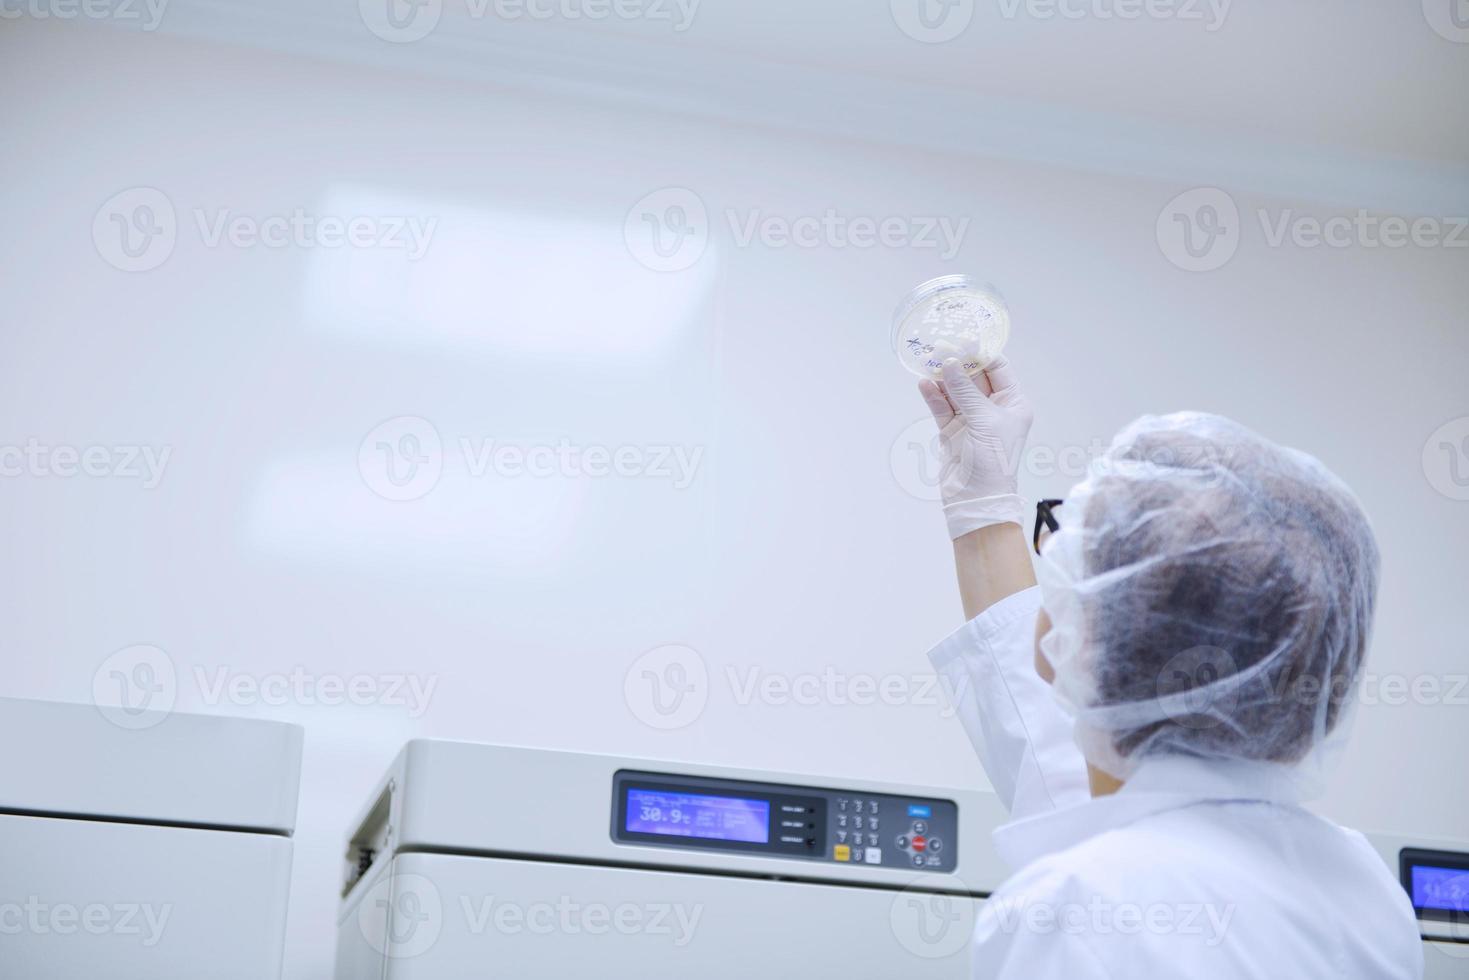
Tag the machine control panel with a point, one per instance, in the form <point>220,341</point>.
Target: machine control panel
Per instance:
<point>839,826</point>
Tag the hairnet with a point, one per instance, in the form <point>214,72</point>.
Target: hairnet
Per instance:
<point>1210,595</point>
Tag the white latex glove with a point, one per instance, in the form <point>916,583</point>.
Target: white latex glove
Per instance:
<point>983,422</point>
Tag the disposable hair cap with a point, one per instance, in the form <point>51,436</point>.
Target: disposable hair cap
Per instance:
<point>1211,595</point>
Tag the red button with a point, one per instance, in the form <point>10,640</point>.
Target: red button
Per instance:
<point>919,843</point>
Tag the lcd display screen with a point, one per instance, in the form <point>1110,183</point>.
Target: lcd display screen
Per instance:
<point>1440,888</point>
<point>672,814</point>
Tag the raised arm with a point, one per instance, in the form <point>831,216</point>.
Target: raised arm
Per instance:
<point>982,424</point>
<point>1019,731</point>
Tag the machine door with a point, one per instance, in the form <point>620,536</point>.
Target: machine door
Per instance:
<point>89,898</point>
<point>1445,960</point>
<point>435,917</point>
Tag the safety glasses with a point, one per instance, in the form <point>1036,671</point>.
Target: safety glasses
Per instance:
<point>1045,520</point>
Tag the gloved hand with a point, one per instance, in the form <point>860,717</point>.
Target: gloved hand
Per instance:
<point>983,422</point>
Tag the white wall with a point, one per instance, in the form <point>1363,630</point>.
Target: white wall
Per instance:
<point>794,551</point>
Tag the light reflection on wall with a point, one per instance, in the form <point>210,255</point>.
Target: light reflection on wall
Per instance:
<point>496,280</point>
<point>516,292</point>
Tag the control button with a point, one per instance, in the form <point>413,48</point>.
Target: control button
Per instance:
<point>919,843</point>
<point>857,822</point>
<point>919,810</point>
<point>842,852</point>
<point>871,823</point>
<point>872,840</point>
<point>935,845</point>
<point>841,819</point>
<point>841,803</point>
<point>841,836</point>
<point>872,806</point>
<point>918,860</point>
<point>919,827</point>
<point>903,842</point>
<point>874,856</point>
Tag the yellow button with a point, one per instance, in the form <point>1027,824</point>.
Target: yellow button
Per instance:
<point>842,853</point>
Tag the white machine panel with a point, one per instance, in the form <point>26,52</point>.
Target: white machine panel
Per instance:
<point>455,916</point>
<point>494,861</point>
<point>143,846</point>
<point>466,797</point>
<point>134,902</point>
<point>170,768</point>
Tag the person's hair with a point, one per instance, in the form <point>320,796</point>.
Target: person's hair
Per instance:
<point>1235,579</point>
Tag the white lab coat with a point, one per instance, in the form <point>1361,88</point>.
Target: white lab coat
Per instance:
<point>1192,869</point>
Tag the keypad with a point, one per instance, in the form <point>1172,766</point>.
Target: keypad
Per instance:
<point>889,831</point>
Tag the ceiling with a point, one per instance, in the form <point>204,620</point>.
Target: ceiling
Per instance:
<point>1357,103</point>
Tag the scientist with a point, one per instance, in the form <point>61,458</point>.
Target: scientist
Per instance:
<point>1203,611</point>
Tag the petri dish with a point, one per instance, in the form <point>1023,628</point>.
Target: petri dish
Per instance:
<point>951,316</point>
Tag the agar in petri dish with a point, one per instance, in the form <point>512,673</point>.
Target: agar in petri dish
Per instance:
<point>951,316</point>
